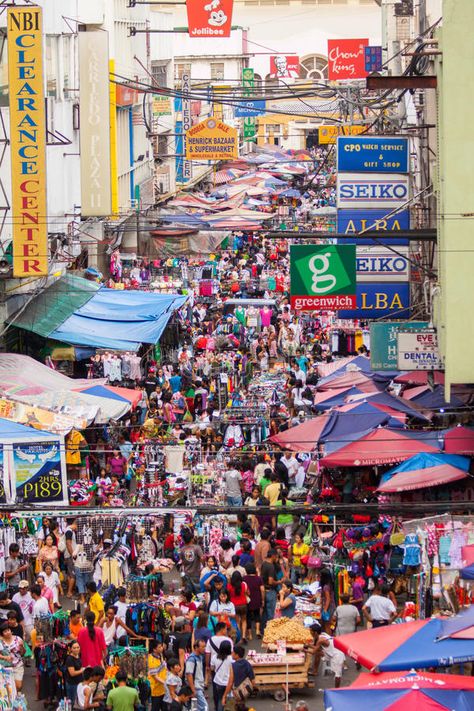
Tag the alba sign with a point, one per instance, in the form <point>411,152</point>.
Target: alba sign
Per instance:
<point>322,276</point>
<point>212,140</point>
<point>209,18</point>
<point>346,59</point>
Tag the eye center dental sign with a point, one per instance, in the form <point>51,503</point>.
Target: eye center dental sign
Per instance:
<point>418,350</point>
<point>322,276</point>
<point>212,140</point>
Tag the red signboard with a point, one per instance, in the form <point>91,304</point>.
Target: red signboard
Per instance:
<point>209,18</point>
<point>284,67</point>
<point>346,59</point>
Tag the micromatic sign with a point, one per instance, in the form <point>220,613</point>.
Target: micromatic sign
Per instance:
<point>322,276</point>
<point>27,142</point>
<point>376,190</point>
<point>372,154</point>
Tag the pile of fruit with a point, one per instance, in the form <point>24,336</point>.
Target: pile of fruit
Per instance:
<point>288,629</point>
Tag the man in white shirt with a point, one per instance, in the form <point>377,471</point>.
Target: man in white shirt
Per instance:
<point>25,601</point>
<point>292,465</point>
<point>213,645</point>
<point>379,609</point>
<point>121,605</point>
<point>40,604</point>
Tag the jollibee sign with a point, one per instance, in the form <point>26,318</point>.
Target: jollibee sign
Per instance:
<point>209,18</point>
<point>346,59</point>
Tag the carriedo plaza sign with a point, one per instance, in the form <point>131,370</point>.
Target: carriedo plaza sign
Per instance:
<point>27,142</point>
<point>323,276</point>
<point>212,140</point>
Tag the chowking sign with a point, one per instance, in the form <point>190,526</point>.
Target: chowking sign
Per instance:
<point>209,18</point>
<point>322,276</point>
<point>27,141</point>
<point>346,59</point>
<point>212,140</point>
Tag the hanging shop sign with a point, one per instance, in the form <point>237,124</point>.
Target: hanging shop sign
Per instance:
<point>94,106</point>
<point>125,96</point>
<point>248,83</point>
<point>418,350</point>
<point>39,473</point>
<point>372,154</point>
<point>322,276</point>
<point>372,191</point>
<point>250,108</point>
<point>381,264</point>
<point>351,222</point>
<point>384,345</point>
<point>212,140</point>
<point>380,301</point>
<point>284,67</point>
<point>161,105</point>
<point>187,123</point>
<point>27,141</point>
<point>346,59</point>
<point>209,18</point>
<point>329,134</point>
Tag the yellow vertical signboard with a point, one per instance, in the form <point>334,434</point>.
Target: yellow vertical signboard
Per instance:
<point>27,141</point>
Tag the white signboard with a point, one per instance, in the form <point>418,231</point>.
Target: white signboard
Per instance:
<point>381,264</point>
<point>372,190</point>
<point>418,350</point>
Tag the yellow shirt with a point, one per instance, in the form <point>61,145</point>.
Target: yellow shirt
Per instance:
<point>272,492</point>
<point>157,680</point>
<point>74,441</point>
<point>298,551</point>
<point>96,605</point>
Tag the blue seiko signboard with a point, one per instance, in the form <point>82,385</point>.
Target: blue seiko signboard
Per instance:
<point>372,154</point>
<point>380,301</point>
<point>250,108</point>
<point>350,222</point>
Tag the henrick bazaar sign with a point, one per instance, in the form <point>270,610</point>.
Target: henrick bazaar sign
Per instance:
<point>212,140</point>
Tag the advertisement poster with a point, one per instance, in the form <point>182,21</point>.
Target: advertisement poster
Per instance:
<point>284,67</point>
<point>209,18</point>
<point>381,264</point>
<point>380,301</point>
<point>38,473</point>
<point>351,222</point>
<point>384,345</point>
<point>372,154</point>
<point>212,140</point>
<point>418,350</point>
<point>346,59</point>
<point>322,276</point>
<point>372,190</point>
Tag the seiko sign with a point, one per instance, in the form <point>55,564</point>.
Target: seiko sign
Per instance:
<point>374,191</point>
<point>379,264</point>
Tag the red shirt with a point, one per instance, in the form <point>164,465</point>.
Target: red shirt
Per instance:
<point>238,599</point>
<point>91,649</point>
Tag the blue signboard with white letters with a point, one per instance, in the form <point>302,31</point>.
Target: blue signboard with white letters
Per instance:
<point>380,301</point>
<point>372,154</point>
<point>250,108</point>
<point>350,222</point>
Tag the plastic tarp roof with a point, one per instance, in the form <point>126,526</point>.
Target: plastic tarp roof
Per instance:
<point>120,320</point>
<point>434,399</point>
<point>91,407</point>
<point>55,304</point>
<point>302,438</point>
<point>390,699</point>
<point>427,460</point>
<point>459,440</point>
<point>458,625</point>
<point>21,376</point>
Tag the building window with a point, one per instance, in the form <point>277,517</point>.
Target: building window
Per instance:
<point>52,66</point>
<point>217,71</point>
<point>159,72</point>
<point>270,85</point>
<point>257,81</point>
<point>314,66</point>
<point>273,128</point>
<point>182,68</point>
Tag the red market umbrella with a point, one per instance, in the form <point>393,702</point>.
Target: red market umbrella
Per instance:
<point>422,479</point>
<point>459,440</point>
<point>302,438</point>
<point>382,446</point>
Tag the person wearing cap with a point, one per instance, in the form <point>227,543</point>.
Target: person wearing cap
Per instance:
<point>25,602</point>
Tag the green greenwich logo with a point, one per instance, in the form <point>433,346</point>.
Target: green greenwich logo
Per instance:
<point>318,270</point>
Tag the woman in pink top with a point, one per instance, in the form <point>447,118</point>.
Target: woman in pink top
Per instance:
<point>118,464</point>
<point>92,643</point>
<point>46,592</point>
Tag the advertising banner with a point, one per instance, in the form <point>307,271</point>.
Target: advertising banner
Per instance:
<point>383,342</point>
<point>418,350</point>
<point>212,140</point>
<point>38,473</point>
<point>322,276</point>
<point>354,221</point>
<point>284,67</point>
<point>209,18</point>
<point>187,123</point>
<point>250,108</point>
<point>94,106</point>
<point>381,264</point>
<point>380,301</point>
<point>38,417</point>
<point>373,190</point>
<point>161,105</point>
<point>329,134</point>
<point>28,141</point>
<point>248,82</point>
<point>346,59</point>
<point>372,154</point>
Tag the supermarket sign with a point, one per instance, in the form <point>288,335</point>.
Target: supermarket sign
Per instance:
<point>322,276</point>
<point>418,350</point>
<point>212,140</point>
<point>346,59</point>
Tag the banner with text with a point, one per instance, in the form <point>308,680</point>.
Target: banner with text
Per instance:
<point>373,190</point>
<point>322,276</point>
<point>418,350</point>
<point>351,222</point>
<point>372,154</point>
<point>212,140</point>
<point>377,264</point>
<point>383,342</point>
<point>380,301</point>
<point>329,134</point>
<point>346,59</point>
<point>39,474</point>
<point>209,18</point>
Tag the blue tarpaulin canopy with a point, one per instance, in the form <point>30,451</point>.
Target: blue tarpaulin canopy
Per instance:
<point>434,399</point>
<point>426,460</point>
<point>120,320</point>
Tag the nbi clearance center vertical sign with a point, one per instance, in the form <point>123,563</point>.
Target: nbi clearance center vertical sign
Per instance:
<point>27,141</point>
<point>322,276</point>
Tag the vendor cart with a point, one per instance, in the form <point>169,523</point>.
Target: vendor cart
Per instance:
<point>273,672</point>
